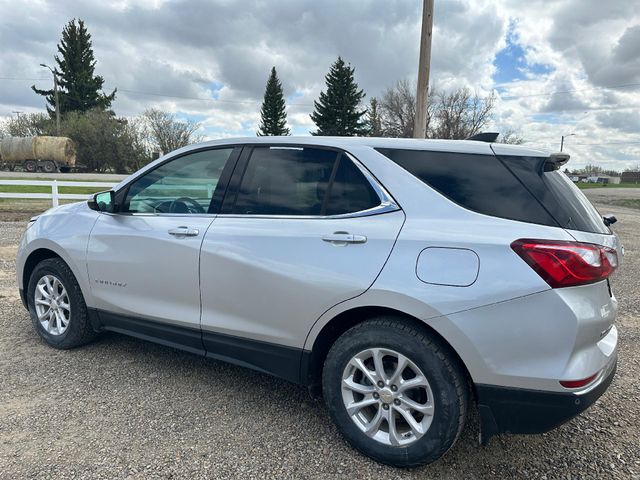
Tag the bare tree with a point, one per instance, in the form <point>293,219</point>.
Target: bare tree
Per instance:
<point>166,133</point>
<point>398,110</point>
<point>512,137</point>
<point>460,114</point>
<point>457,115</point>
<point>28,125</point>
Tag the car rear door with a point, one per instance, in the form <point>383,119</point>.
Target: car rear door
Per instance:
<point>303,229</point>
<point>143,261</point>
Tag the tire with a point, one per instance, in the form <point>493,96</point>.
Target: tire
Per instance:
<point>77,330</point>
<point>445,390</point>
<point>49,167</point>
<point>30,166</point>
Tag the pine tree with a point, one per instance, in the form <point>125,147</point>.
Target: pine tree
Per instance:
<point>273,118</point>
<point>336,111</point>
<point>374,121</point>
<point>79,88</point>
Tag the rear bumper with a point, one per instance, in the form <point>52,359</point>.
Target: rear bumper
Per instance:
<point>515,410</point>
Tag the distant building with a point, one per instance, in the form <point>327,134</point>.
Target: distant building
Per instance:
<point>576,178</point>
<point>606,179</point>
<point>630,177</point>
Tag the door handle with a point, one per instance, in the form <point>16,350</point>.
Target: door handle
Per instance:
<point>343,238</point>
<point>184,232</point>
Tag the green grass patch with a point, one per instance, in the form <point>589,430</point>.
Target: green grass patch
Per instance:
<point>47,189</point>
<point>586,186</point>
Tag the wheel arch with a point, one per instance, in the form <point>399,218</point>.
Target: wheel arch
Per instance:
<point>49,250</point>
<point>34,259</point>
<point>313,363</point>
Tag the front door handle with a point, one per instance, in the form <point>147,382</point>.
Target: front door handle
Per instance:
<point>344,238</point>
<point>184,232</point>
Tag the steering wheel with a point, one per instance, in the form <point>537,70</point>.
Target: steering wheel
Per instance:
<point>192,205</point>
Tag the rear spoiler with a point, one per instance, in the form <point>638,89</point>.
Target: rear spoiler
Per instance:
<point>555,161</point>
<point>489,137</point>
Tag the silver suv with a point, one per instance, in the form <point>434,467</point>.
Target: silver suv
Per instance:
<point>407,281</point>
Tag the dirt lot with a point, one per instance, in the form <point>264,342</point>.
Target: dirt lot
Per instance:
<point>122,408</point>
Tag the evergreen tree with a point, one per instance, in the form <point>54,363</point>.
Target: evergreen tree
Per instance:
<point>374,120</point>
<point>336,111</point>
<point>273,118</point>
<point>78,88</point>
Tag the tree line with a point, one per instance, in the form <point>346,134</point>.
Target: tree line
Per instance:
<point>339,110</point>
<point>106,142</point>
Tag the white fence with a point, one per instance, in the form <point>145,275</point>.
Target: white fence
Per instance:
<point>54,196</point>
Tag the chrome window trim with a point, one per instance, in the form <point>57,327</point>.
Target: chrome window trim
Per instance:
<point>387,204</point>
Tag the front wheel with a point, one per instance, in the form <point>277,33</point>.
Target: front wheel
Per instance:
<point>394,393</point>
<point>58,311</point>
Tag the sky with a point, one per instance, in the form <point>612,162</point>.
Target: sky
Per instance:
<point>561,67</point>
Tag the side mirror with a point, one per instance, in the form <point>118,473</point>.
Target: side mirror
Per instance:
<point>103,202</point>
<point>609,219</point>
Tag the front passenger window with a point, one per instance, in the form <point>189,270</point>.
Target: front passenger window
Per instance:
<point>185,185</point>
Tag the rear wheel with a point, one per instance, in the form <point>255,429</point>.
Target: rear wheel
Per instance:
<point>30,166</point>
<point>394,393</point>
<point>58,311</point>
<point>49,167</point>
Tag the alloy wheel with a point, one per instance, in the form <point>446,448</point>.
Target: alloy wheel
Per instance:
<point>387,396</point>
<point>52,305</point>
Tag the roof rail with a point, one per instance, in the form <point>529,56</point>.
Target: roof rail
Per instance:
<point>489,137</point>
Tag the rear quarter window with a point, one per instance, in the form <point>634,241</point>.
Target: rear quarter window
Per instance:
<point>557,193</point>
<point>481,183</point>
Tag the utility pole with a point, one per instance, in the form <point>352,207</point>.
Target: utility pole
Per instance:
<point>420,122</point>
<point>55,95</point>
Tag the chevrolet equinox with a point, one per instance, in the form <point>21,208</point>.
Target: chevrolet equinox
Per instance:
<point>406,281</point>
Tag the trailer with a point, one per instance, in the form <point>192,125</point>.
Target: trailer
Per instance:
<point>42,153</point>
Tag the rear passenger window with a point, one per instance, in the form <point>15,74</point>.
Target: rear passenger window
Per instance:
<point>477,182</point>
<point>302,181</point>
<point>350,190</point>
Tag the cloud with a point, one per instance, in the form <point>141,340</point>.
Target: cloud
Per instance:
<point>211,58</point>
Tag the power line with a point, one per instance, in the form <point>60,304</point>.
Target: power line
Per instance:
<point>559,92</point>
<point>22,78</point>
<point>506,97</point>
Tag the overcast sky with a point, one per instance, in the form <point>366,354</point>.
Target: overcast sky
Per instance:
<point>209,60</point>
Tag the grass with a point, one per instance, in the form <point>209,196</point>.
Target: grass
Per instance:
<point>585,186</point>
<point>46,189</point>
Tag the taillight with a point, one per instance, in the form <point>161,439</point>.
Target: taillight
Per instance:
<point>578,383</point>
<point>567,264</point>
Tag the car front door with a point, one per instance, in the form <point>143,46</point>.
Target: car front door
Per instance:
<point>143,260</point>
<point>303,229</point>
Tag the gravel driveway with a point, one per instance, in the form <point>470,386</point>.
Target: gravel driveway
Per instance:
<point>123,408</point>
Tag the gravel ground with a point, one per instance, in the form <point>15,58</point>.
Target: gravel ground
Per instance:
<point>123,408</point>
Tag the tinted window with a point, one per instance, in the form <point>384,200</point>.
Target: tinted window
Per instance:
<point>350,190</point>
<point>478,182</point>
<point>564,201</point>
<point>285,181</point>
<point>184,185</point>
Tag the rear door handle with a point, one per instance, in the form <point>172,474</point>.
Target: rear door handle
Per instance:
<point>343,238</point>
<point>184,232</point>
